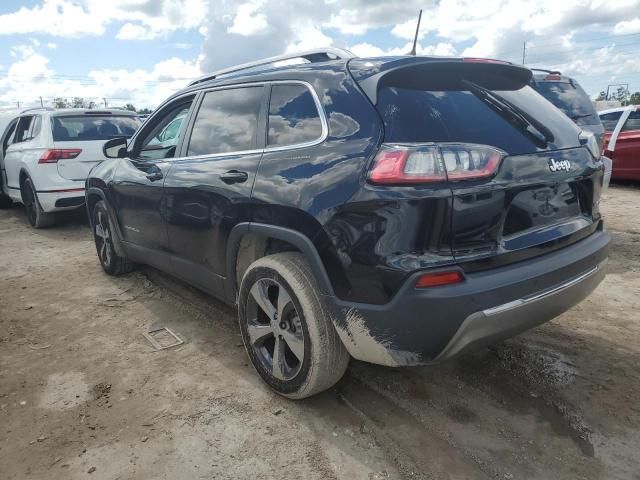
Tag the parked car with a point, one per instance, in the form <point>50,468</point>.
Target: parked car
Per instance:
<point>47,154</point>
<point>622,141</point>
<point>567,94</point>
<point>399,210</point>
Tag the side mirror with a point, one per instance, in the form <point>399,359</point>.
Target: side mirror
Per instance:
<point>115,148</point>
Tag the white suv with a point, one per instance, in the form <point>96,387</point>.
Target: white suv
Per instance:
<point>46,155</point>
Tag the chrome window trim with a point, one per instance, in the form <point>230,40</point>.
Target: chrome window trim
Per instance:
<point>321,113</point>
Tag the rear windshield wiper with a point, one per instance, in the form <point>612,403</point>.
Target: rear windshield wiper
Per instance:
<point>535,130</point>
<point>584,115</point>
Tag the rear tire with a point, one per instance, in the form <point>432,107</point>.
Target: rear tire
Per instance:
<point>283,316</point>
<point>36,216</point>
<point>111,262</point>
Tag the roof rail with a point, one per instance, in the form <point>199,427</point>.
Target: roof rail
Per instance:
<point>316,55</point>
<point>46,109</point>
<point>553,72</point>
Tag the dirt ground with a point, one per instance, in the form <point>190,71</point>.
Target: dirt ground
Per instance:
<point>82,394</point>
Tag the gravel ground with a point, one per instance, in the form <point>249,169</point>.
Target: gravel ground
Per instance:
<point>82,395</point>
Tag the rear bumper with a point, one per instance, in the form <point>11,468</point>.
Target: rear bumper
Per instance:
<point>61,200</point>
<point>430,325</point>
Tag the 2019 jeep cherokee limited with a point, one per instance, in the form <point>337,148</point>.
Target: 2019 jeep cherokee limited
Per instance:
<point>398,210</point>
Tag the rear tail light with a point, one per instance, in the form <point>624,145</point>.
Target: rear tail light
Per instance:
<point>553,76</point>
<point>55,154</point>
<point>439,279</point>
<point>424,163</point>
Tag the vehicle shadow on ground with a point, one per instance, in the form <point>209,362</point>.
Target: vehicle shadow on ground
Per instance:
<point>430,417</point>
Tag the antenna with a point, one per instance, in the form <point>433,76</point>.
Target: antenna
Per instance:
<point>415,39</point>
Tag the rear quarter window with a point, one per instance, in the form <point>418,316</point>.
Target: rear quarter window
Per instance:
<point>293,116</point>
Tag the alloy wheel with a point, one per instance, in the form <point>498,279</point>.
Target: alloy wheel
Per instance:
<point>103,238</point>
<point>274,329</point>
<point>30,203</point>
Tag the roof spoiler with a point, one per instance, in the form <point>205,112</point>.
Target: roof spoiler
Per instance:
<point>437,74</point>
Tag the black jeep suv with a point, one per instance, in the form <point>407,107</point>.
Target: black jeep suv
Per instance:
<point>398,210</point>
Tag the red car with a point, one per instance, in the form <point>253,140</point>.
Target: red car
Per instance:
<point>622,141</point>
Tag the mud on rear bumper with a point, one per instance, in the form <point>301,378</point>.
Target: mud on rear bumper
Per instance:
<point>431,325</point>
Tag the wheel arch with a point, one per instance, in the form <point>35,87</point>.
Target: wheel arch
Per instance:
<point>272,239</point>
<point>93,196</point>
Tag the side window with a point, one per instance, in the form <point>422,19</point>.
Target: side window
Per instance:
<point>161,138</point>
<point>633,121</point>
<point>34,128</point>
<point>23,129</point>
<point>610,120</point>
<point>227,121</point>
<point>293,116</point>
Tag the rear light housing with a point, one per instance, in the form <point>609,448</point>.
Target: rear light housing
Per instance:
<point>397,164</point>
<point>438,279</point>
<point>55,154</point>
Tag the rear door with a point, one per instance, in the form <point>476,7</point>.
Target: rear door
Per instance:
<point>87,132</point>
<point>208,190</point>
<point>626,159</point>
<point>23,148</point>
<point>539,195</point>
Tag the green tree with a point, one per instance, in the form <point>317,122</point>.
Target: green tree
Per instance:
<point>602,96</point>
<point>78,102</point>
<point>130,107</point>
<point>60,102</point>
<point>145,111</point>
<point>634,99</point>
<point>621,95</point>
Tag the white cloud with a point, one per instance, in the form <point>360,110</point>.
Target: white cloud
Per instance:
<point>131,31</point>
<point>31,76</point>
<point>627,27</point>
<point>51,46</point>
<point>247,21</point>
<point>73,18</point>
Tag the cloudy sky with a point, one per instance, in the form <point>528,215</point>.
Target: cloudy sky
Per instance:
<point>140,51</point>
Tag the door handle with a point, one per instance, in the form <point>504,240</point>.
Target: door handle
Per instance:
<point>234,176</point>
<point>155,176</point>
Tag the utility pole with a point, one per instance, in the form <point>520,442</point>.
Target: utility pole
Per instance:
<point>41,103</point>
<point>415,39</point>
<point>524,50</point>
<point>18,105</point>
<point>105,102</point>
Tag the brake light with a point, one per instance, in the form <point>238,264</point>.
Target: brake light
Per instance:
<point>426,163</point>
<point>553,76</point>
<point>439,279</point>
<point>55,154</point>
<point>485,60</point>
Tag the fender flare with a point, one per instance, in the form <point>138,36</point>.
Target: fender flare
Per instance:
<point>295,238</point>
<point>115,227</point>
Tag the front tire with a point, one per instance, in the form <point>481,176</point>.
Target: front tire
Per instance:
<point>286,328</point>
<point>111,262</point>
<point>36,216</point>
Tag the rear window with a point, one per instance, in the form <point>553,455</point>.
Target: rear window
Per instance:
<point>610,120</point>
<point>412,115</point>
<point>633,122</point>
<point>571,99</point>
<point>86,127</point>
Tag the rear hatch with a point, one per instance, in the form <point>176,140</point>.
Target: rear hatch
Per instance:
<point>521,181</point>
<point>82,136</point>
